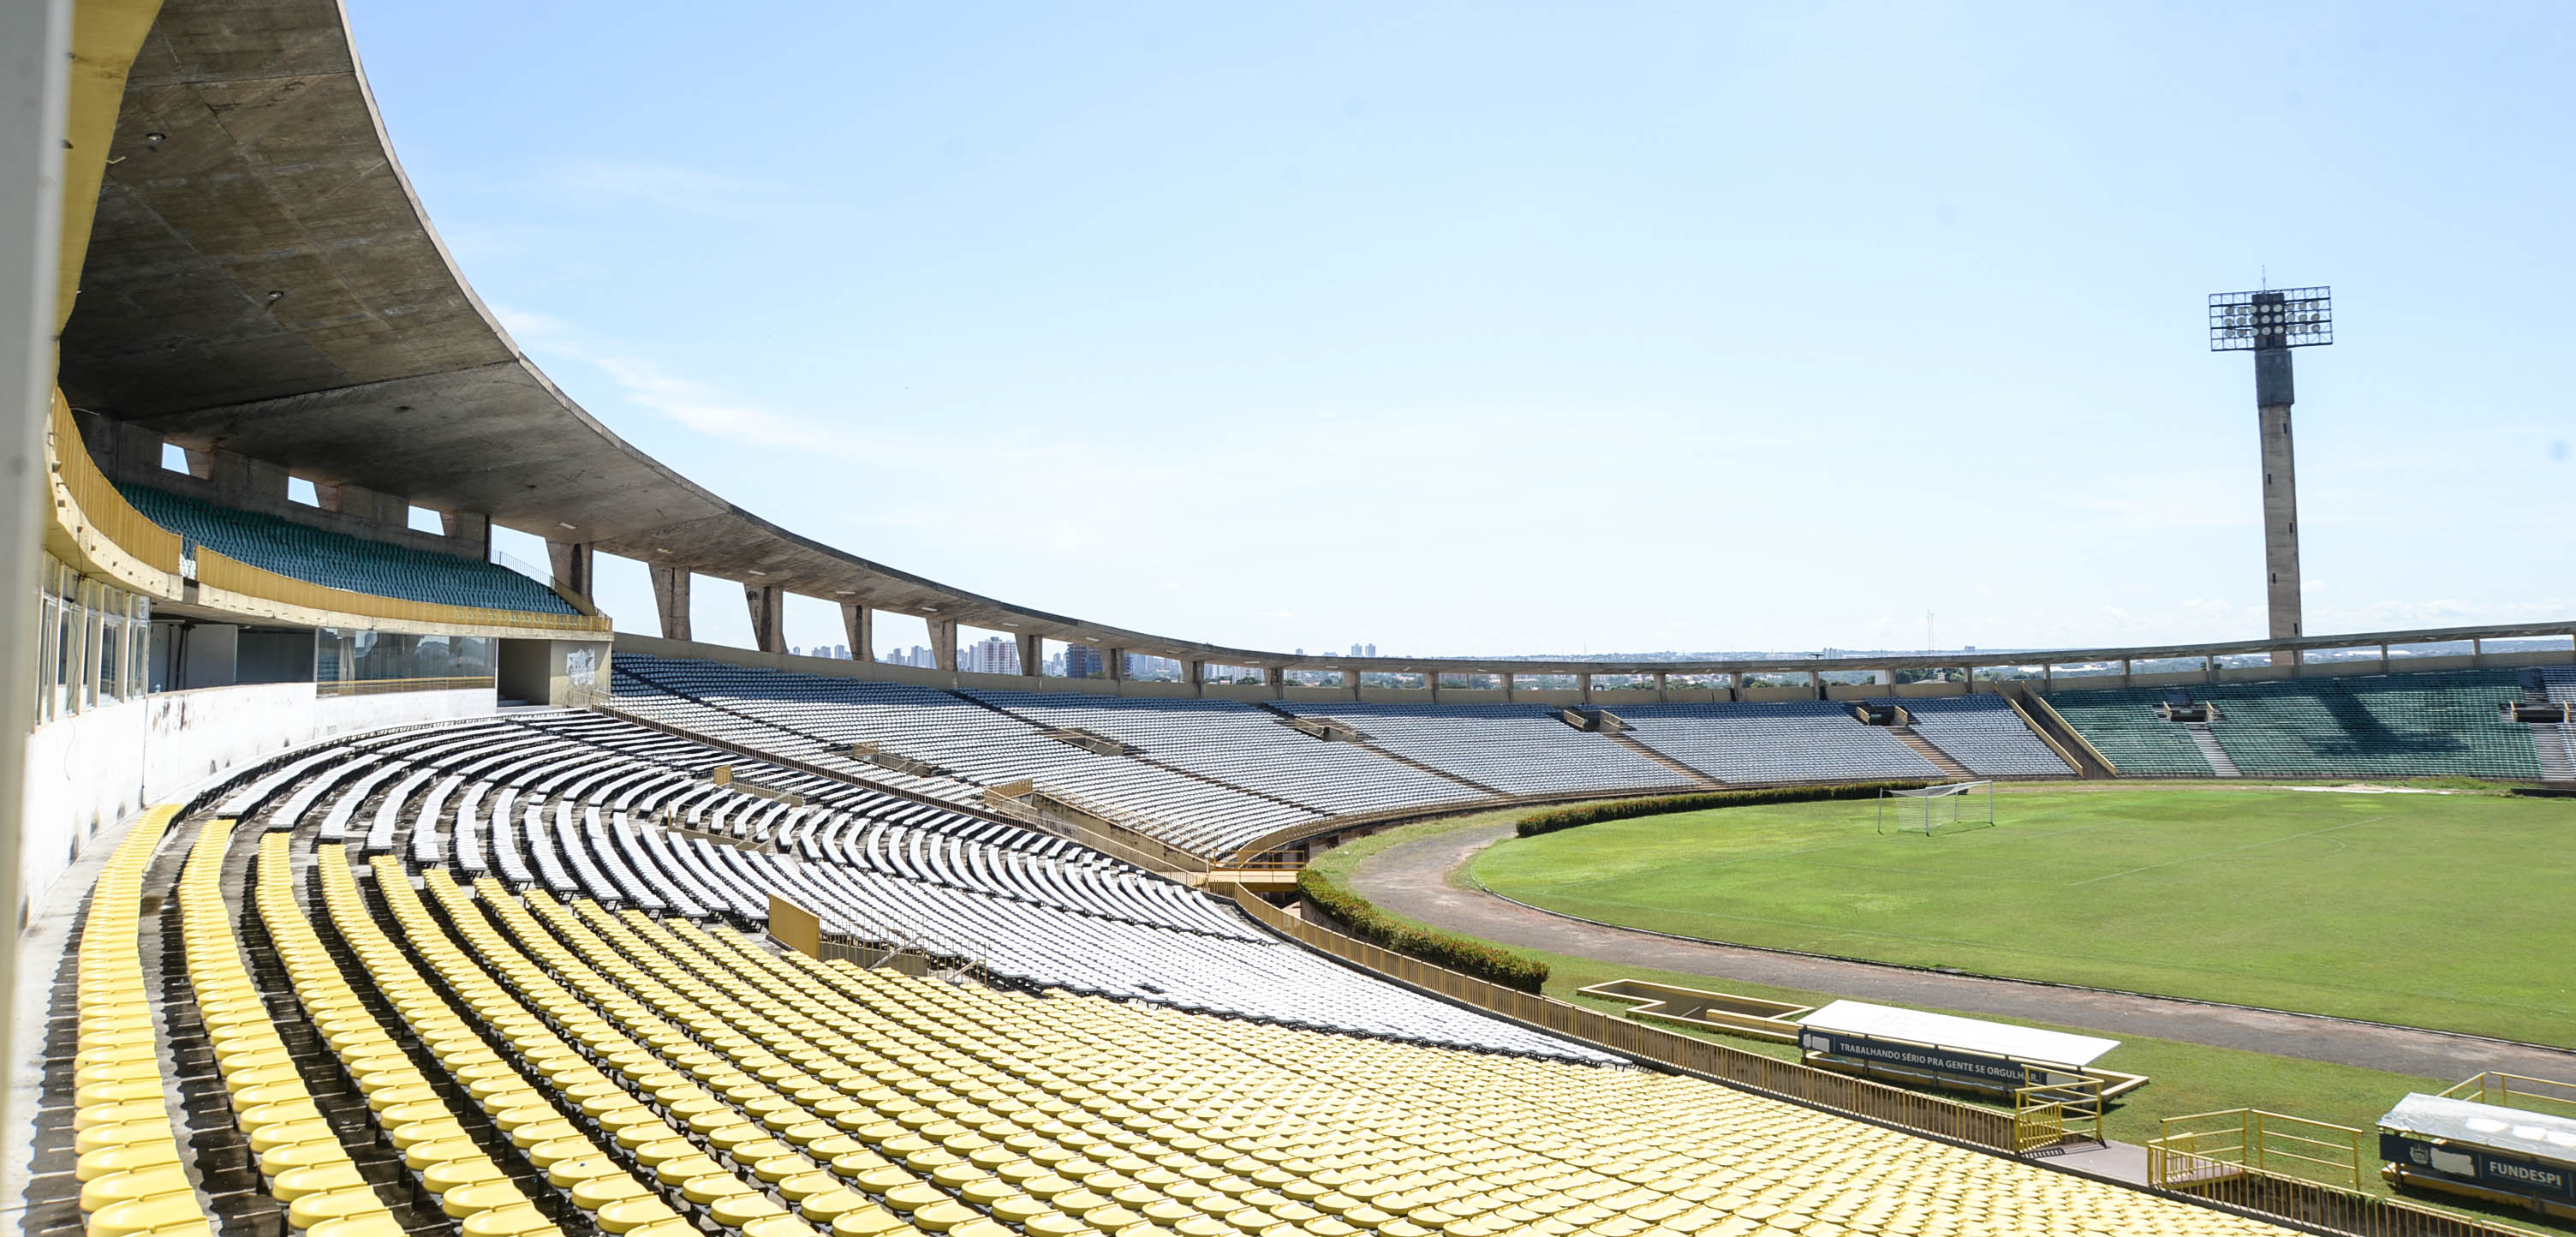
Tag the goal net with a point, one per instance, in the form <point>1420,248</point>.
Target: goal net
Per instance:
<point>1949,808</point>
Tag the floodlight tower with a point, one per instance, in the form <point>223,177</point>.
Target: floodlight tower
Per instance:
<point>2268,324</point>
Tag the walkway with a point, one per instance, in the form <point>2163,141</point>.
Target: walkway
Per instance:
<point>1411,879</point>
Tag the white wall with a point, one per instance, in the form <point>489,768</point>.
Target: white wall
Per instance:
<point>92,769</point>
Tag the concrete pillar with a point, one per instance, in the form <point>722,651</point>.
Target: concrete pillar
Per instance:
<point>570,561</point>
<point>1660,676</point>
<point>1431,684</point>
<point>1113,664</point>
<point>1583,683</point>
<point>241,481</point>
<point>861,624</point>
<point>943,642</point>
<point>1032,654</point>
<point>768,616</point>
<point>470,531</point>
<point>35,71</point>
<point>2273,395</point>
<point>2124,672</point>
<point>1816,683</point>
<point>1505,681</point>
<point>671,599</point>
<point>1968,676</point>
<point>2383,659</point>
<point>2209,668</point>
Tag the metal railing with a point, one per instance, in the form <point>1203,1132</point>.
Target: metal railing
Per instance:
<point>378,687</point>
<point>1986,1128</point>
<point>2051,1110</point>
<point>2545,1095</point>
<point>2207,1146</point>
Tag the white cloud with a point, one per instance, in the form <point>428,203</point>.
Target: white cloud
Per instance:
<point>697,405</point>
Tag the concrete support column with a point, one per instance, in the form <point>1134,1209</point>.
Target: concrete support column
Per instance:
<point>2124,672</point>
<point>2478,653</point>
<point>671,599</point>
<point>1660,677</point>
<point>943,642</point>
<point>570,561</point>
<point>472,532</point>
<point>1816,683</point>
<point>1431,684</point>
<point>1968,676</point>
<point>2209,668</point>
<point>2383,659</point>
<point>1583,683</point>
<point>1276,679</point>
<point>35,73</point>
<point>861,624</point>
<point>241,481</point>
<point>1506,681</point>
<point>1032,654</point>
<point>2273,395</point>
<point>768,616</point>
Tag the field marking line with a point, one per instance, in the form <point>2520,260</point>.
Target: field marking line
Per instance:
<point>2228,851</point>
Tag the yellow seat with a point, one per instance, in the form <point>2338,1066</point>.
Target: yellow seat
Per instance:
<point>313,1209</point>
<point>480,1197</point>
<point>143,1215</point>
<point>631,1214</point>
<point>740,1210</point>
<point>457,1173</point>
<point>145,1182</point>
<point>518,1221</point>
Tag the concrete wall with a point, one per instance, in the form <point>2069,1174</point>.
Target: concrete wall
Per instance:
<point>562,673</point>
<point>92,769</point>
<point>132,454</point>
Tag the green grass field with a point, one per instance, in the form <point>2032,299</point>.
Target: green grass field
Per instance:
<point>2454,911</point>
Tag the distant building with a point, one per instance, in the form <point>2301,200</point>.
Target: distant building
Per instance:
<point>1081,661</point>
<point>1372,650</point>
<point>991,655</point>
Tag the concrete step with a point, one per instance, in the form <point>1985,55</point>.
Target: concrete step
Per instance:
<point>1906,736</point>
<point>2219,761</point>
<point>1685,772</point>
<point>2557,748</point>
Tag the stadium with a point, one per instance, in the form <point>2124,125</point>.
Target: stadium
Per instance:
<point>369,885</point>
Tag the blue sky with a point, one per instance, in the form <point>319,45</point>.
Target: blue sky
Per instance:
<point>1489,328</point>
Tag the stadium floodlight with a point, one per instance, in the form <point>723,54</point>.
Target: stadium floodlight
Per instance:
<point>2274,318</point>
<point>2268,324</point>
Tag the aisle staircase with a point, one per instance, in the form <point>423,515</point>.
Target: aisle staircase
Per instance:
<point>2220,762</point>
<point>1923,747</point>
<point>2557,748</point>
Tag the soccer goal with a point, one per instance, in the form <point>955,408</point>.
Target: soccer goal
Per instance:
<point>1950,808</point>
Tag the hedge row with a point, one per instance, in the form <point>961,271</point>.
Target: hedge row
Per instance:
<point>1362,918</point>
<point>1625,809</point>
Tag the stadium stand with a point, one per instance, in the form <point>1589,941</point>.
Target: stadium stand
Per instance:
<point>128,1163</point>
<point>541,1064</point>
<point>2388,725</point>
<point>1787,741</point>
<point>2449,723</point>
<point>810,714</point>
<point>1982,733</point>
<point>337,560</point>
<point>2128,727</point>
<point>1515,749</point>
<point>1245,746</point>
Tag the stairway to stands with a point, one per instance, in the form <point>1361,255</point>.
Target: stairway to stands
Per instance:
<point>1694,776</point>
<point>1924,748</point>
<point>2220,762</point>
<point>2557,748</point>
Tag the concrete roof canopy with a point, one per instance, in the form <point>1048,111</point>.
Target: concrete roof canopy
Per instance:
<point>261,278</point>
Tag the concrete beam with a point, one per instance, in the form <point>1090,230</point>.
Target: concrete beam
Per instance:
<point>768,605</point>
<point>671,599</point>
<point>861,624</point>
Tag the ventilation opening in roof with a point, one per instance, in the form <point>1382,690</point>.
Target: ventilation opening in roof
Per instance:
<point>302,492</point>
